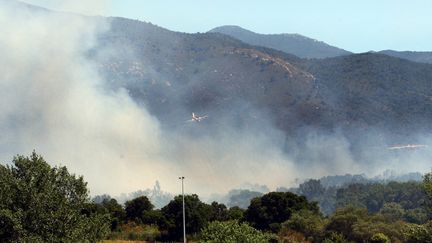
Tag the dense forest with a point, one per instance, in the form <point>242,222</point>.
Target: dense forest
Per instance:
<point>41,203</point>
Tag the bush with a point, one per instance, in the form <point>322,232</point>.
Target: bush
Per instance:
<point>135,231</point>
<point>334,237</point>
<point>379,238</point>
<point>309,223</point>
<point>233,231</point>
<point>418,233</point>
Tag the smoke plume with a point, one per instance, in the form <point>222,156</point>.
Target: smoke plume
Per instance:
<point>54,101</point>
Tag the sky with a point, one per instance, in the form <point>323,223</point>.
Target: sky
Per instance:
<point>357,26</point>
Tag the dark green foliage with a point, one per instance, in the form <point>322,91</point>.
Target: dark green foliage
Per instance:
<point>40,203</point>
<point>219,212</point>
<point>406,197</point>
<point>427,188</point>
<point>118,214</point>
<point>416,233</point>
<point>269,211</point>
<point>416,215</point>
<point>235,213</point>
<point>136,232</point>
<point>10,226</point>
<point>334,237</point>
<point>310,224</point>
<point>358,225</point>
<point>392,211</point>
<point>233,231</point>
<point>197,214</point>
<point>343,219</point>
<point>153,217</point>
<point>380,238</point>
<point>136,208</point>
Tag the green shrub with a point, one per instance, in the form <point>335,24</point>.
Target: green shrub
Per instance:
<point>233,231</point>
<point>380,238</point>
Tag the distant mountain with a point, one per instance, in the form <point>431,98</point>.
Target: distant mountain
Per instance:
<point>295,44</point>
<point>415,56</point>
<point>173,74</point>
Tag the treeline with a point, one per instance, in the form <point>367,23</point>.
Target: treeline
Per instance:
<point>40,203</point>
<point>286,217</point>
<point>369,194</point>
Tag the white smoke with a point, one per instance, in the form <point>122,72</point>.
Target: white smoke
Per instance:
<point>54,101</point>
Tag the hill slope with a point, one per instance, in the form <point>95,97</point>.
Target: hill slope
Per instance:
<point>211,72</point>
<point>415,56</point>
<point>295,44</point>
<point>174,74</point>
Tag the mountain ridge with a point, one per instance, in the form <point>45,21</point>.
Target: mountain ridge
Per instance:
<point>415,56</point>
<point>295,44</point>
<point>173,73</point>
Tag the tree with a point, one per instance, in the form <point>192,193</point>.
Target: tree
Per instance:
<point>418,233</point>
<point>417,215</point>
<point>311,224</point>
<point>118,214</point>
<point>219,212</point>
<point>392,211</point>
<point>197,213</point>
<point>311,189</point>
<point>235,213</point>
<point>356,224</point>
<point>233,231</point>
<point>137,207</point>
<point>40,203</point>
<point>373,196</point>
<point>427,187</point>
<point>343,220</point>
<point>270,210</point>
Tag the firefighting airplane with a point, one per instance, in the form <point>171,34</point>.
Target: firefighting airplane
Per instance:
<point>196,118</point>
<point>408,146</point>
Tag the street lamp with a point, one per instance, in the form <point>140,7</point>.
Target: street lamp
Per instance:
<point>184,218</point>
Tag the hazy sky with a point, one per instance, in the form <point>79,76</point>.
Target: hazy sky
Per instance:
<point>356,26</point>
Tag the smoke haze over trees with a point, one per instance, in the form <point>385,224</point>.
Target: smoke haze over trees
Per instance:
<point>119,91</point>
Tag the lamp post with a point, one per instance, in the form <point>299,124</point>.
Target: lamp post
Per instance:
<point>184,218</point>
